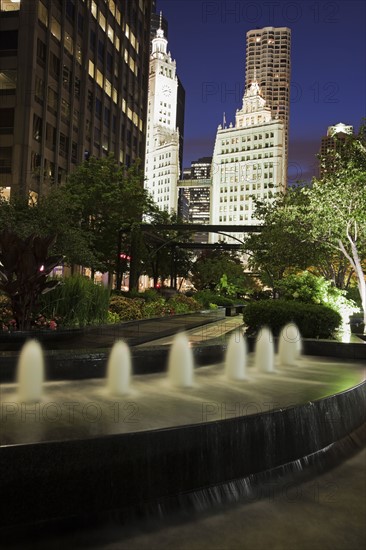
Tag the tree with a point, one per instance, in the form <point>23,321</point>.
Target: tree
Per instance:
<point>283,244</point>
<point>106,196</point>
<point>215,269</point>
<point>337,208</point>
<point>160,257</point>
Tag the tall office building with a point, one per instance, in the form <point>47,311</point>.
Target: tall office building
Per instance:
<point>73,83</point>
<point>248,162</point>
<point>333,142</point>
<point>268,61</point>
<point>195,195</point>
<point>162,136</point>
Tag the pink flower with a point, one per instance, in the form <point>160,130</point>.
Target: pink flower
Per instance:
<point>53,325</point>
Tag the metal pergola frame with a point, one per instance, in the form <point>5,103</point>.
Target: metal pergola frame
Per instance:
<point>192,228</point>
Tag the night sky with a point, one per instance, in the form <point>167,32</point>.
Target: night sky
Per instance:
<point>207,40</point>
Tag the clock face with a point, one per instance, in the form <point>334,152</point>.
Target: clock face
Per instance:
<point>167,90</point>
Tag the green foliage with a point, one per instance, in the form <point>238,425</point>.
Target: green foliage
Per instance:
<point>308,288</point>
<point>157,308</point>
<point>183,304</point>
<point>220,271</point>
<point>7,321</point>
<point>113,318</point>
<point>283,244</point>
<point>313,320</point>
<point>24,269</point>
<point>338,204</point>
<point>127,309</point>
<point>105,196</point>
<point>207,297</point>
<point>78,302</point>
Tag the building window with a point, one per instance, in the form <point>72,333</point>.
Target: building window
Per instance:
<point>39,90</point>
<point>64,145</point>
<point>52,100</point>
<point>54,66</point>
<point>41,52</point>
<point>69,44</point>
<point>43,14</point>
<point>94,9</point>
<point>55,28</point>
<point>6,121</point>
<point>5,160</point>
<point>98,108</point>
<point>37,128</point>
<point>65,111</point>
<point>50,136</point>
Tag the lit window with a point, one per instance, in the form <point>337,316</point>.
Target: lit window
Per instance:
<point>99,78</point>
<point>110,33</point>
<point>117,43</point>
<point>118,16</point>
<point>55,28</point>
<point>114,95</point>
<point>69,43</point>
<point>112,7</point>
<point>102,21</point>
<point>43,14</point>
<point>108,87</point>
<point>91,68</point>
<point>94,9</point>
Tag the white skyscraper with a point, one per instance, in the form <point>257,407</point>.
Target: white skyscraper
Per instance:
<point>162,136</point>
<point>248,162</point>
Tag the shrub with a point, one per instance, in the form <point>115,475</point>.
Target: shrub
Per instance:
<point>308,288</point>
<point>7,321</point>
<point>127,309</point>
<point>157,308</point>
<point>207,297</point>
<point>77,301</point>
<point>313,320</point>
<point>183,304</point>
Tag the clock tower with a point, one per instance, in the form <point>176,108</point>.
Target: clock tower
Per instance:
<point>162,136</point>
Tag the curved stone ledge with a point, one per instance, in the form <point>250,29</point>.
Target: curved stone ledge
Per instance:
<point>129,470</point>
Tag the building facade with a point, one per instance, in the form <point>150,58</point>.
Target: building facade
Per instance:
<point>248,162</point>
<point>195,195</point>
<point>332,142</point>
<point>73,83</point>
<point>268,61</point>
<point>158,20</point>
<point>162,136</point>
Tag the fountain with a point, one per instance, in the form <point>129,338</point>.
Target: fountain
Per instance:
<point>180,363</point>
<point>236,357</point>
<point>264,351</point>
<point>289,345</point>
<point>30,372</point>
<point>113,453</point>
<point>119,369</point>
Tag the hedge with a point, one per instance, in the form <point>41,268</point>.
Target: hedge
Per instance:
<point>313,320</point>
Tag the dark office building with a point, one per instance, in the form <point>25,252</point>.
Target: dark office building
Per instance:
<point>333,142</point>
<point>195,194</point>
<point>73,83</point>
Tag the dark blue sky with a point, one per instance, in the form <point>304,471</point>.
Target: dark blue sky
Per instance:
<point>207,40</point>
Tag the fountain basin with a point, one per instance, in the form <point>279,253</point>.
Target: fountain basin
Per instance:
<point>101,466</point>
